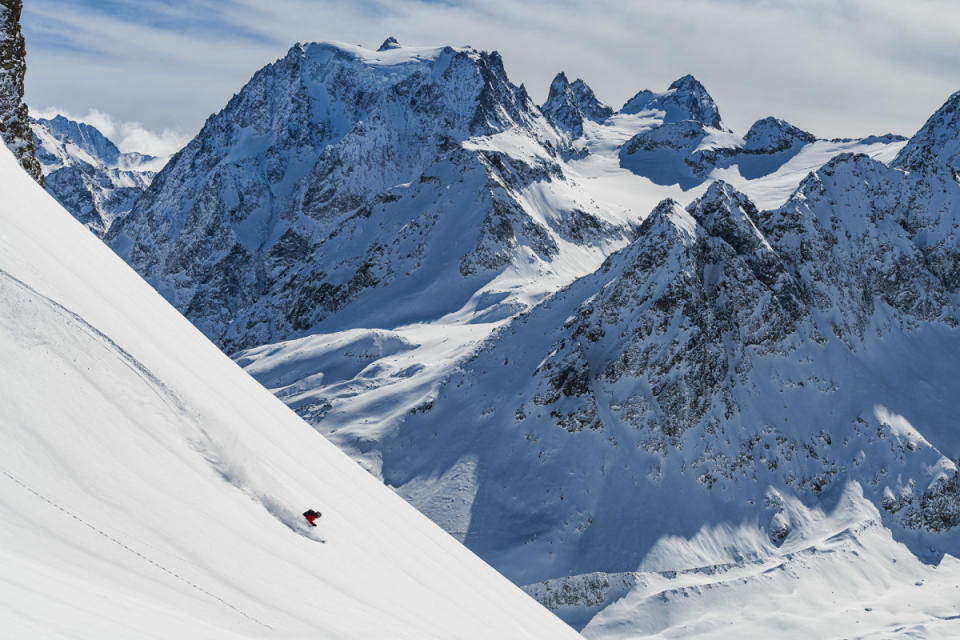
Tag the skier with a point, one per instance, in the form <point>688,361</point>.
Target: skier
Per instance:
<point>311,515</point>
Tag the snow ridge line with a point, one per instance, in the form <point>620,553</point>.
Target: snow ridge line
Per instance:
<point>134,551</point>
<point>163,391</point>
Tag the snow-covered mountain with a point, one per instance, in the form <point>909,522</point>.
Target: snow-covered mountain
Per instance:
<point>150,488</point>
<point>86,172</point>
<point>681,367</point>
<point>687,144</point>
<point>14,118</point>
<point>716,380</point>
<point>344,187</point>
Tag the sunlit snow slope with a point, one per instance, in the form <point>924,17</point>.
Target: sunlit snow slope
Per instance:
<point>151,489</point>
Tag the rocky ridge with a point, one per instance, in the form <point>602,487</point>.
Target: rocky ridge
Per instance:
<point>14,119</point>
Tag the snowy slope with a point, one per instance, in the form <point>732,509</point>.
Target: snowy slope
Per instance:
<point>86,172</point>
<point>150,488</point>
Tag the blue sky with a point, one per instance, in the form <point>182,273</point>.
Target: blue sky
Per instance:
<point>151,71</point>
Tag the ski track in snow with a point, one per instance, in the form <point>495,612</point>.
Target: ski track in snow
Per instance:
<point>229,466</point>
<point>128,548</point>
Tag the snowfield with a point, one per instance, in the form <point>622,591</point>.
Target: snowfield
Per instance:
<point>150,488</point>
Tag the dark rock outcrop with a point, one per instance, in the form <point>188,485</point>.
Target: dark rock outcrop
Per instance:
<point>14,119</point>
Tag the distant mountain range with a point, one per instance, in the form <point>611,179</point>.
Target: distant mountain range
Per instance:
<point>86,172</point>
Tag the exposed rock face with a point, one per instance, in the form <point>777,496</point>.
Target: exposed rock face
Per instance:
<point>936,145</point>
<point>589,104</point>
<point>339,180</point>
<point>568,104</point>
<point>861,235</point>
<point>86,172</point>
<point>14,120</point>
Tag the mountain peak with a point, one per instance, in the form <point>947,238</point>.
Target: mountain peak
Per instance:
<point>937,142</point>
<point>773,134</point>
<point>568,104</point>
<point>388,44</point>
<point>687,83</point>
<point>728,214</point>
<point>685,99</point>
<point>311,113</point>
<point>589,104</point>
<point>86,136</point>
<point>558,85</point>
<point>669,215</point>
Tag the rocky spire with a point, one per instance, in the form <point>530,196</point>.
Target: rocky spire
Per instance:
<point>568,104</point>
<point>591,107</point>
<point>14,120</point>
<point>561,107</point>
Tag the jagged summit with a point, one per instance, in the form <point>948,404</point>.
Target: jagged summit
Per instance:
<point>592,107</point>
<point>569,103</point>
<point>558,86</point>
<point>685,99</point>
<point>388,44</point>
<point>87,173</point>
<point>559,83</point>
<point>937,143</point>
<point>562,107</point>
<point>85,136</point>
<point>728,214</point>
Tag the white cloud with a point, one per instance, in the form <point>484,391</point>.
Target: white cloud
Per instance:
<point>128,136</point>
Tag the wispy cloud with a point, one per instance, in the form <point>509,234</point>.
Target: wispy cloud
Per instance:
<point>128,136</point>
<point>835,67</point>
